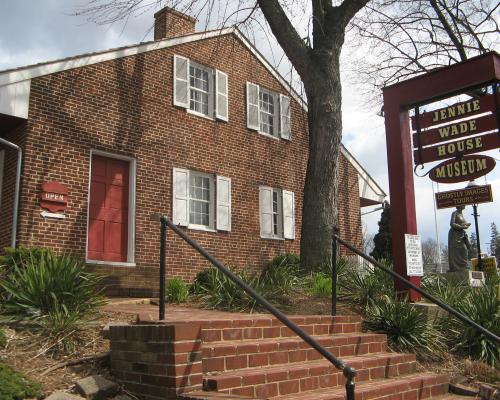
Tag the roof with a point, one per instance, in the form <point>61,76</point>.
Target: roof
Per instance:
<point>15,84</point>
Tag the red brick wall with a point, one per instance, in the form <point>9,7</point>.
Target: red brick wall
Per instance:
<point>125,107</point>
<point>349,206</point>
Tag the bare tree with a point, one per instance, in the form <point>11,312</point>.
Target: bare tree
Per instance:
<point>430,252</point>
<point>407,37</point>
<point>315,56</point>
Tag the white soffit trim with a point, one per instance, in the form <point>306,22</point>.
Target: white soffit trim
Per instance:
<point>14,99</point>
<point>33,71</point>
<point>368,188</point>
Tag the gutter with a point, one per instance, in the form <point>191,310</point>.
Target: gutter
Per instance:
<point>17,190</point>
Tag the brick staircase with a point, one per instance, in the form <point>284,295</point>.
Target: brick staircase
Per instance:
<point>259,358</point>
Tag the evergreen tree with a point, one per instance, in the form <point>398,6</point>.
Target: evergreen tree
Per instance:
<point>473,245</point>
<point>383,239</point>
<point>495,242</point>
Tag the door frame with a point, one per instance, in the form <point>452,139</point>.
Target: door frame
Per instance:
<point>131,209</point>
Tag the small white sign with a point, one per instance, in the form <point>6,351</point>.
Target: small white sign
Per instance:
<point>414,263</point>
<point>46,214</point>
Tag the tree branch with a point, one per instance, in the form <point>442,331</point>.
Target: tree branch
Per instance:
<point>286,35</point>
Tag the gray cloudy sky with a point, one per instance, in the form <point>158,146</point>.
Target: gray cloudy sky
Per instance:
<point>34,31</point>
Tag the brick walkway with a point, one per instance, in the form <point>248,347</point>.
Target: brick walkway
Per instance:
<point>175,313</point>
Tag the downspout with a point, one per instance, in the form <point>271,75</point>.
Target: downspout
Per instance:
<point>18,186</point>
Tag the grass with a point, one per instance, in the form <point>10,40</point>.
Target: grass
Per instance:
<point>177,291</point>
<point>14,385</point>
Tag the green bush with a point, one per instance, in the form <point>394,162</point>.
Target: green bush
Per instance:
<point>321,286</point>
<point>216,291</point>
<point>362,288</point>
<point>14,385</point>
<point>482,305</point>
<point>177,291</point>
<point>45,284</point>
<point>406,327</point>
<point>450,291</point>
<point>282,273</point>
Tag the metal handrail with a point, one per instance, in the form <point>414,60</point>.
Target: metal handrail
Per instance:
<point>428,296</point>
<point>349,372</point>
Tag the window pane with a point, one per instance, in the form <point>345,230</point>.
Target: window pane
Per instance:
<point>266,106</point>
<point>199,94</point>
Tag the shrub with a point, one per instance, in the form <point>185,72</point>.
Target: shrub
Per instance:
<point>321,286</point>
<point>363,288</point>
<point>46,283</point>
<point>216,291</point>
<point>450,291</point>
<point>282,273</point>
<point>482,305</point>
<point>14,385</point>
<point>406,327</point>
<point>177,291</point>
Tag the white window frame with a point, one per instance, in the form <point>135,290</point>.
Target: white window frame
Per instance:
<point>264,213</point>
<point>276,114</point>
<point>210,94</point>
<point>281,123</point>
<point>211,207</point>
<point>131,210</point>
<point>2,163</point>
<point>278,213</point>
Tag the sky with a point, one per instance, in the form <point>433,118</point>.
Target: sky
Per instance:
<point>33,31</point>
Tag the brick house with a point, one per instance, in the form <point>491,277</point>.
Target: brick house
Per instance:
<point>197,126</point>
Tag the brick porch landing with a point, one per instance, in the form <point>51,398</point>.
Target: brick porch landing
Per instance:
<point>202,354</point>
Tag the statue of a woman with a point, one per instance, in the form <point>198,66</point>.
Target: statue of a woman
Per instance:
<point>458,241</point>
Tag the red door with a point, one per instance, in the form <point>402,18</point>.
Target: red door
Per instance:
<point>108,210</point>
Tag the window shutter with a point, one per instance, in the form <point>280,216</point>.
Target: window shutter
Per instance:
<point>266,211</point>
<point>288,215</point>
<point>285,121</point>
<point>223,203</point>
<point>181,81</point>
<point>221,93</point>
<point>180,190</point>
<point>253,116</point>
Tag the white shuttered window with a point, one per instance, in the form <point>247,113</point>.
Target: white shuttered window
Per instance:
<point>268,112</point>
<point>277,213</point>
<point>200,89</point>
<point>201,201</point>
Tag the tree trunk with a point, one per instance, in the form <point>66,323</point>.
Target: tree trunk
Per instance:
<point>319,213</point>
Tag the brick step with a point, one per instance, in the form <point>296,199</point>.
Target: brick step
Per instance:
<point>304,376</point>
<point>409,387</point>
<point>230,355</point>
<point>267,327</point>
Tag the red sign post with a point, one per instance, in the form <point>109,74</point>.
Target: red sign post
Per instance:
<point>398,99</point>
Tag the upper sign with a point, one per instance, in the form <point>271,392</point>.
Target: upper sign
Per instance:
<point>465,169</point>
<point>456,111</point>
<point>54,196</point>
<point>414,263</point>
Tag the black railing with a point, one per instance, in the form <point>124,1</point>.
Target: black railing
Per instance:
<point>165,223</point>
<point>428,296</point>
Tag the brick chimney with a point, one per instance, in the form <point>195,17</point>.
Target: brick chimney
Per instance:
<point>171,23</point>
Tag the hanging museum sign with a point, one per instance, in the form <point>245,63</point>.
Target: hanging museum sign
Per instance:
<point>463,197</point>
<point>457,130</point>
<point>464,169</point>
<point>53,196</point>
